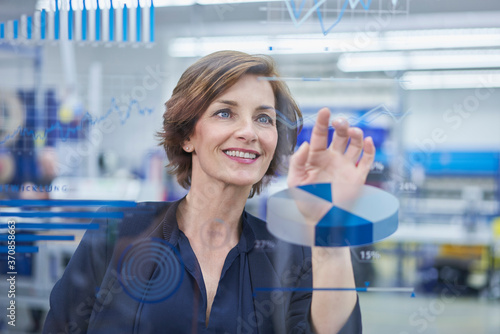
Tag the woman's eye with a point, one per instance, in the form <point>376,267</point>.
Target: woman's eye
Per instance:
<point>224,113</point>
<point>265,119</point>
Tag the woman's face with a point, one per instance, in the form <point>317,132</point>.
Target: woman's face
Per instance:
<point>235,139</point>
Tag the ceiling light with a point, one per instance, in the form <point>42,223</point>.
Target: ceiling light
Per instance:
<point>440,39</point>
<point>352,42</point>
<point>228,2</point>
<point>450,79</point>
<point>418,60</point>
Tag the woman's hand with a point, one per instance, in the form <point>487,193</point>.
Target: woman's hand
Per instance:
<point>319,163</point>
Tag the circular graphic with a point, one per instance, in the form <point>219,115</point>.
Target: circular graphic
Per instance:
<point>150,270</point>
<point>332,215</point>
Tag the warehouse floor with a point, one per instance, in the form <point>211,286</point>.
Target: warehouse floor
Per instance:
<point>390,313</point>
<point>445,313</point>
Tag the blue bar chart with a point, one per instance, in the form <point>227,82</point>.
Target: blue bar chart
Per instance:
<point>66,21</point>
<point>28,211</point>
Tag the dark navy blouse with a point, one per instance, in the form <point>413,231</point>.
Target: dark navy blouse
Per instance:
<point>233,302</point>
<point>91,296</point>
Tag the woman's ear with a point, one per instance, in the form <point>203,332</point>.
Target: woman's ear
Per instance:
<point>187,146</point>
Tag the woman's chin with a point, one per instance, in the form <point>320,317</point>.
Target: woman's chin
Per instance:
<point>247,184</point>
<point>243,182</point>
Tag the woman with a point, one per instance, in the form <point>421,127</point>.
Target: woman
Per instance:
<point>224,140</point>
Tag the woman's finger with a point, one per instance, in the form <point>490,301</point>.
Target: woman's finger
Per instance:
<point>368,157</point>
<point>356,145</point>
<point>298,164</point>
<point>340,136</point>
<point>319,136</point>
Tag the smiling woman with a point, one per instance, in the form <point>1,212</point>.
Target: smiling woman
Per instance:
<point>199,88</point>
<point>194,265</point>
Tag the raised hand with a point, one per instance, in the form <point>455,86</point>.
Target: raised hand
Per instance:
<point>338,163</point>
<point>319,163</point>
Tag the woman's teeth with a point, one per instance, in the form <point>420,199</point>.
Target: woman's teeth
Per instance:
<point>241,154</point>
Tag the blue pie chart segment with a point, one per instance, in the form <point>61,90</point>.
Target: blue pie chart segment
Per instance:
<point>363,216</point>
<point>321,190</point>
<point>342,228</point>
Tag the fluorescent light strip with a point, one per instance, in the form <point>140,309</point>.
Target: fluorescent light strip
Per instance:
<point>330,79</point>
<point>340,42</point>
<point>418,60</point>
<point>195,47</point>
<point>450,80</point>
<point>440,39</point>
<point>226,2</point>
<point>48,5</point>
<point>173,3</point>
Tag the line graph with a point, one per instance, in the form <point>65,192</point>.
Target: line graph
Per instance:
<point>299,12</point>
<point>366,118</point>
<point>367,288</point>
<point>375,113</point>
<point>294,14</point>
<point>86,120</point>
<point>341,14</point>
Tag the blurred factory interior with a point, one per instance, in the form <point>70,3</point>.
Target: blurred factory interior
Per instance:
<point>79,113</point>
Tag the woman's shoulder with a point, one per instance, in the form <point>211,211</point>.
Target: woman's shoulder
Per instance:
<point>138,217</point>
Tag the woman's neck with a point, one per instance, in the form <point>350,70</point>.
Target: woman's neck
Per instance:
<point>210,214</point>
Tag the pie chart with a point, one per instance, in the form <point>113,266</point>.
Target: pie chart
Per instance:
<point>332,215</point>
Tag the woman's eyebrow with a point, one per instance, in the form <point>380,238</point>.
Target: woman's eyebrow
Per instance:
<point>265,107</point>
<point>235,104</point>
<point>228,102</point>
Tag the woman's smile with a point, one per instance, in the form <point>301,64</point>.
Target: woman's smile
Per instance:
<point>242,155</point>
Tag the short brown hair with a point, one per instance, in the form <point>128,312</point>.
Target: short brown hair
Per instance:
<point>200,85</point>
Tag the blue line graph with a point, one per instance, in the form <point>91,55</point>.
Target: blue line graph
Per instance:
<point>396,289</point>
<point>366,289</point>
<point>289,123</point>
<point>375,113</point>
<point>87,119</point>
<point>366,118</point>
<point>295,12</point>
<point>294,15</point>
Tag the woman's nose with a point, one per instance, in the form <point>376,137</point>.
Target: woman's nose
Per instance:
<point>246,130</point>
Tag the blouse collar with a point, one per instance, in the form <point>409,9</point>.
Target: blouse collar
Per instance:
<point>171,229</point>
